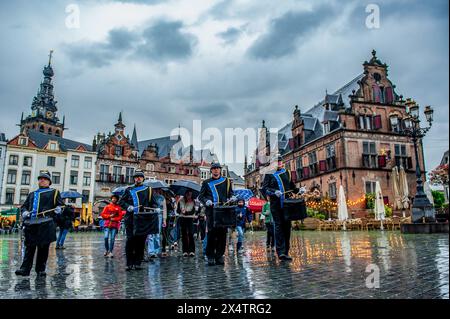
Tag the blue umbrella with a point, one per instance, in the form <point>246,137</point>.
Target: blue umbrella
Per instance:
<point>244,194</point>
<point>71,195</point>
<point>119,191</point>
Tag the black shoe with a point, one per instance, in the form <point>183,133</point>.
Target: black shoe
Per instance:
<point>21,272</point>
<point>220,261</point>
<point>288,258</point>
<point>211,262</point>
<point>41,274</point>
<point>282,257</point>
<point>129,268</point>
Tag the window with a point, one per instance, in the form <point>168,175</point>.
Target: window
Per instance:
<point>12,176</point>
<point>104,173</point>
<point>299,166</point>
<point>53,146</point>
<point>1,152</point>
<point>26,177</point>
<point>56,178</point>
<point>27,161</point>
<point>88,163</point>
<point>370,187</point>
<point>313,167</point>
<point>73,177</point>
<point>23,196</point>
<point>85,198</point>
<point>369,155</point>
<point>118,150</point>
<point>23,141</point>
<point>75,161</point>
<point>13,160</point>
<point>332,190</point>
<point>129,175</point>
<point>172,169</point>
<point>331,156</point>
<point>57,133</point>
<point>401,157</point>
<point>9,196</point>
<point>169,181</point>
<point>150,167</point>
<point>204,175</point>
<point>326,128</point>
<point>51,161</point>
<point>365,122</point>
<point>87,179</point>
<point>117,173</point>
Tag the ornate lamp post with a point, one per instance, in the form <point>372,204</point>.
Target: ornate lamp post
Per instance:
<point>422,209</point>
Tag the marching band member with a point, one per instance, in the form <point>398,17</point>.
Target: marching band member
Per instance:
<point>215,192</point>
<point>39,235</point>
<point>276,186</point>
<point>141,219</point>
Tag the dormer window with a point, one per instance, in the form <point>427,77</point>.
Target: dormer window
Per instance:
<point>52,146</point>
<point>23,141</point>
<point>326,127</point>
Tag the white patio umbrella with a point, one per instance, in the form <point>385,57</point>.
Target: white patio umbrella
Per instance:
<point>342,206</point>
<point>395,188</point>
<point>380,212</point>
<point>427,190</point>
<point>404,189</point>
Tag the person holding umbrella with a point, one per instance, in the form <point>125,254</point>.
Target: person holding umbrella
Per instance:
<point>65,224</point>
<point>112,215</point>
<point>141,219</point>
<point>215,191</point>
<point>39,232</point>
<point>187,208</point>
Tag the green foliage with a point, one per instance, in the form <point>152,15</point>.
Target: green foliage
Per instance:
<point>388,210</point>
<point>315,214</point>
<point>370,200</point>
<point>438,198</point>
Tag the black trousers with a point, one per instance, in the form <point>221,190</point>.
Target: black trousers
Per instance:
<point>216,242</point>
<point>41,258</point>
<point>187,235</point>
<point>282,230</point>
<point>270,242</point>
<point>134,250</point>
<point>202,226</point>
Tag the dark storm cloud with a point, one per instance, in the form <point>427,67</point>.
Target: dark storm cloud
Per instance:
<point>230,36</point>
<point>99,54</point>
<point>210,110</point>
<point>285,33</point>
<point>165,41</point>
<point>162,41</point>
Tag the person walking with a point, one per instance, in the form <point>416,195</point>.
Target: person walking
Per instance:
<point>112,216</point>
<point>65,224</point>
<point>154,240</point>
<point>268,221</point>
<point>187,208</point>
<point>243,216</point>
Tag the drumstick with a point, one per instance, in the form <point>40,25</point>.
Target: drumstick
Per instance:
<point>49,211</point>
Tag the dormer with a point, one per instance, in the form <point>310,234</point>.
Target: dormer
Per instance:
<point>297,128</point>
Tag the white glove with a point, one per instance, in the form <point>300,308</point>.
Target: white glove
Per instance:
<point>302,190</point>
<point>58,210</point>
<point>209,203</point>
<point>130,209</point>
<point>158,210</point>
<point>26,214</point>
<point>278,193</point>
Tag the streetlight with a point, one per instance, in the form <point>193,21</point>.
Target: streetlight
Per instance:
<point>422,208</point>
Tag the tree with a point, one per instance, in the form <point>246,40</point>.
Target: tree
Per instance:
<point>439,176</point>
<point>438,199</point>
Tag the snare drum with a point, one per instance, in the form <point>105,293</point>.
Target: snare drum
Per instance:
<point>224,216</point>
<point>295,209</point>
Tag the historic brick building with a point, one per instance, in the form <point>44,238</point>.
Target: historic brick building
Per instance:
<point>164,159</point>
<point>350,138</point>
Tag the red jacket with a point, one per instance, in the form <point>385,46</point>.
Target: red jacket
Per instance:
<point>112,215</point>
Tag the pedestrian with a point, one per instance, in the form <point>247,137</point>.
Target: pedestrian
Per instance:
<point>187,208</point>
<point>154,240</point>
<point>39,230</point>
<point>276,186</point>
<point>243,216</point>
<point>215,191</point>
<point>268,220</point>
<point>165,241</point>
<point>65,224</point>
<point>141,219</point>
<point>112,216</point>
<point>202,222</point>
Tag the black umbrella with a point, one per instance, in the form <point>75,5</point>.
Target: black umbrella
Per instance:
<point>157,184</point>
<point>180,188</point>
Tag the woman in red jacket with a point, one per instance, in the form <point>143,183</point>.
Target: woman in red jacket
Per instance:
<point>112,215</point>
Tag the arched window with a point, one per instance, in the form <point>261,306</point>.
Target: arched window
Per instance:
<point>42,129</point>
<point>150,167</point>
<point>57,133</point>
<point>49,131</point>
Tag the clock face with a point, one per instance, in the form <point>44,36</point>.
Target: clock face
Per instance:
<point>49,115</point>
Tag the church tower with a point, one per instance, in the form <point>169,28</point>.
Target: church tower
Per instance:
<point>43,116</point>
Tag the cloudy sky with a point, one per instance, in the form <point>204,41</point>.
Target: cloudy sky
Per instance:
<point>229,63</point>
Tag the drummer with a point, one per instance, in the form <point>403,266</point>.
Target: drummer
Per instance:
<point>141,219</point>
<point>215,192</point>
<point>277,186</point>
<point>38,236</point>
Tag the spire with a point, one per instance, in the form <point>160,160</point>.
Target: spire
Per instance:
<point>50,58</point>
<point>134,139</point>
<point>119,125</point>
<point>120,117</point>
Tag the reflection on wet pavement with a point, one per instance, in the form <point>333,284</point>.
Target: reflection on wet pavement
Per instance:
<point>325,265</point>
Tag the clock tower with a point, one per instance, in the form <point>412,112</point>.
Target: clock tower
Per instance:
<point>43,116</point>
